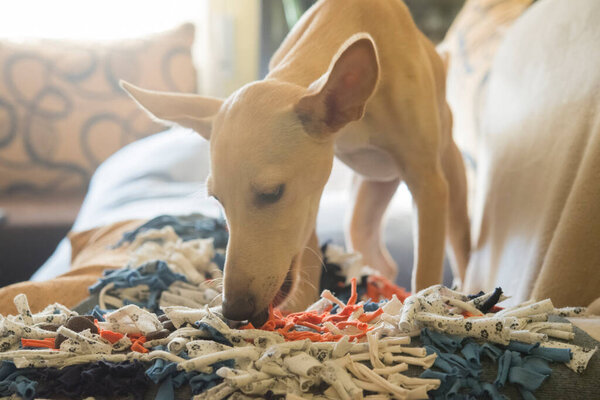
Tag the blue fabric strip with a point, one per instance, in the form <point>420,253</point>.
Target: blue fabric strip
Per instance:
<point>503,368</point>
<point>521,364</point>
<point>23,387</point>
<point>188,227</point>
<point>447,343</point>
<point>214,333</point>
<point>472,353</point>
<point>526,378</point>
<point>492,391</point>
<point>548,353</point>
<point>491,301</point>
<point>155,274</point>
<point>491,351</point>
<point>165,390</point>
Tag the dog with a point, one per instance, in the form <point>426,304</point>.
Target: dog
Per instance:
<point>355,79</point>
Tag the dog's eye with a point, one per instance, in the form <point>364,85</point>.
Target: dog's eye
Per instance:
<point>271,197</point>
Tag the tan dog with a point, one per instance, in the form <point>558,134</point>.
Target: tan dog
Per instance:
<point>356,79</point>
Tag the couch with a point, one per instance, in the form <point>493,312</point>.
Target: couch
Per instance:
<point>62,113</point>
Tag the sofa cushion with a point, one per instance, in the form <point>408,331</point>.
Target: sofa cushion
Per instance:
<point>62,111</point>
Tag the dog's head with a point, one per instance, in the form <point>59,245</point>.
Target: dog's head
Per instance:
<point>271,155</point>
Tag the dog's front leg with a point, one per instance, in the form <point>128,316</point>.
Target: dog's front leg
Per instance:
<point>459,234</point>
<point>364,231</point>
<point>308,281</point>
<point>429,190</point>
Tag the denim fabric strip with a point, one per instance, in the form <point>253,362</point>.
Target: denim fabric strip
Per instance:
<point>370,306</point>
<point>492,391</point>
<point>98,313</point>
<point>448,343</point>
<point>23,387</point>
<point>522,347</point>
<point>472,353</point>
<point>491,301</point>
<point>503,368</point>
<point>461,375</point>
<point>202,382</point>
<point>462,365</point>
<point>447,381</point>
<point>13,381</point>
<point>537,364</point>
<point>440,362</point>
<point>548,353</point>
<point>156,274</point>
<point>170,378</point>
<point>552,354</point>
<point>474,386</point>
<point>526,394</point>
<point>525,377</point>
<point>476,295</point>
<point>454,390</point>
<point>6,369</point>
<point>194,226</point>
<point>491,351</point>
<point>182,378</point>
<point>214,333</point>
<point>165,390</point>
<point>160,370</point>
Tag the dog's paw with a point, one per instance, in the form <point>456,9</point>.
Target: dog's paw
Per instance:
<point>382,262</point>
<point>457,284</point>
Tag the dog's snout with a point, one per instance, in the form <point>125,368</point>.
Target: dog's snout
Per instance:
<point>240,308</point>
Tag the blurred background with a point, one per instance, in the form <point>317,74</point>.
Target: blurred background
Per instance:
<point>62,113</point>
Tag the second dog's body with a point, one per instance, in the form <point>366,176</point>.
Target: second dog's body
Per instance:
<point>272,145</point>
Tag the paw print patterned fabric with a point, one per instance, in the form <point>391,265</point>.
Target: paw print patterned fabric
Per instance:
<point>164,319</point>
<point>581,356</point>
<point>188,346</point>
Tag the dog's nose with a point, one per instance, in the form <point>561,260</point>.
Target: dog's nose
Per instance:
<point>239,309</point>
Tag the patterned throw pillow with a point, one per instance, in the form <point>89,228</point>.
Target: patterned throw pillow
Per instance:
<point>62,111</point>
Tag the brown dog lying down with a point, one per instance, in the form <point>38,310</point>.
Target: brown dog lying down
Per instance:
<point>536,219</point>
<point>91,255</point>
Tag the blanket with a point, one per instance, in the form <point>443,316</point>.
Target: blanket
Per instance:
<point>153,326</point>
<point>92,254</point>
<point>534,120</point>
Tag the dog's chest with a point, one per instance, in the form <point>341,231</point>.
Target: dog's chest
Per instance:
<point>353,147</point>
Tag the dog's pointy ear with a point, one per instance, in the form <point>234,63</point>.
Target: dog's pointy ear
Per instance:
<point>188,110</point>
<point>340,95</point>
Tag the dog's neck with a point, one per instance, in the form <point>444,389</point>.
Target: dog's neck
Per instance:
<point>298,70</point>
